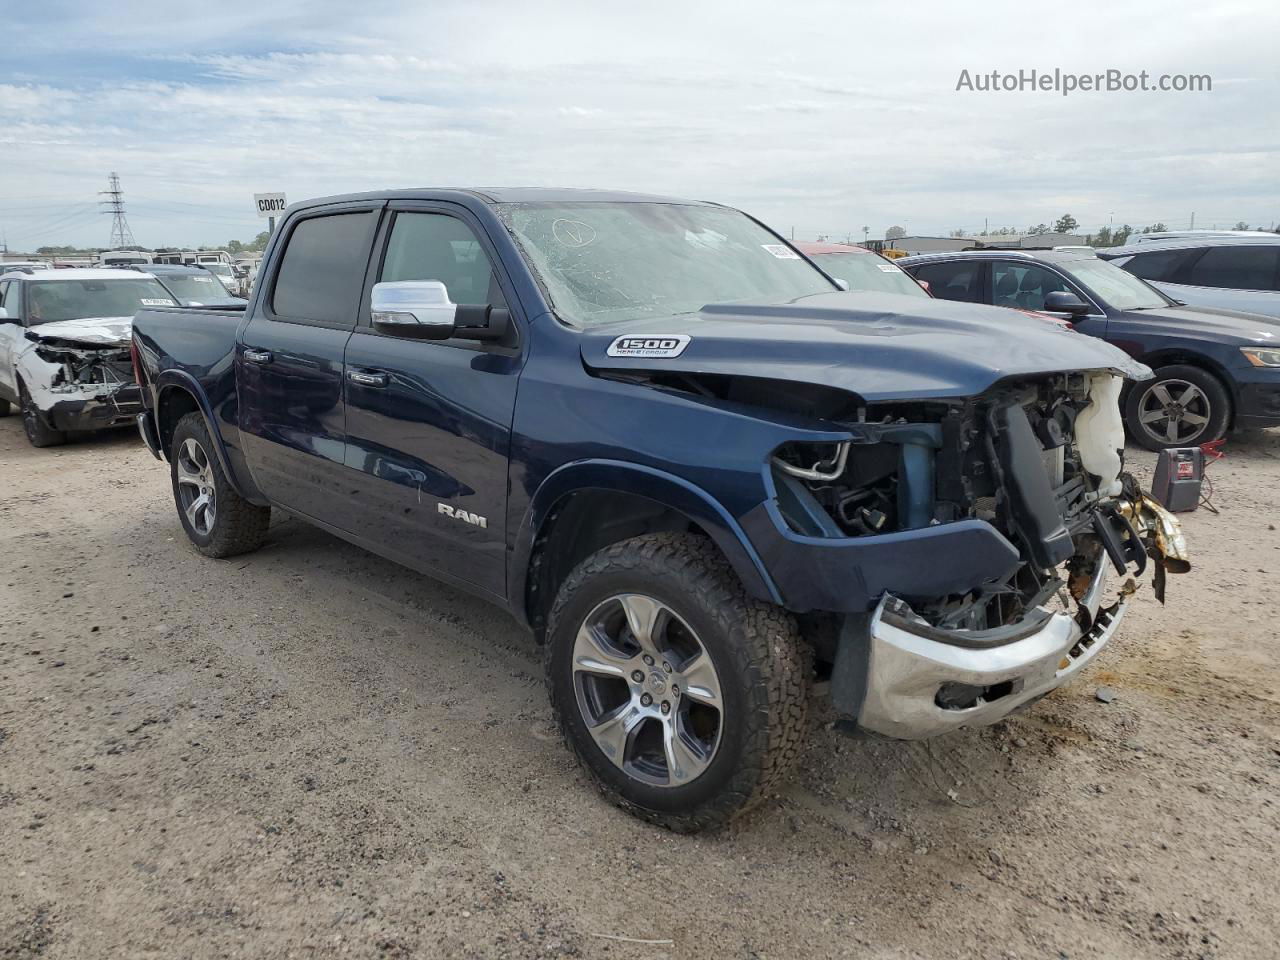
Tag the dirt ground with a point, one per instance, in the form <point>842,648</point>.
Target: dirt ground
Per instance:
<point>310,752</point>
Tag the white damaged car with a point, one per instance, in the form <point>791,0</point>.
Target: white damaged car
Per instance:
<point>64,348</point>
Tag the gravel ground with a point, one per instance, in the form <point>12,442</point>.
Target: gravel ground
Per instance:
<point>311,752</point>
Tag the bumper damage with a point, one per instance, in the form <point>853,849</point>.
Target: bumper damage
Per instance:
<point>80,386</point>
<point>906,679</point>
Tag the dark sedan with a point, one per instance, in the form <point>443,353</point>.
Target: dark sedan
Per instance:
<point>1215,369</point>
<point>193,286</point>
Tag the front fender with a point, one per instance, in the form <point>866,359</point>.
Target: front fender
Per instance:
<point>667,489</point>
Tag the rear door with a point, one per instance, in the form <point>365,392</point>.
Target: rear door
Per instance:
<point>1233,277</point>
<point>429,422</point>
<point>289,361</point>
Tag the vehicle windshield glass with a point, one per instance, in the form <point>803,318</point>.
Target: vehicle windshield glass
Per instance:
<point>52,300</point>
<point>866,271</point>
<point>1118,288</point>
<point>602,262</point>
<point>219,268</point>
<point>192,288</point>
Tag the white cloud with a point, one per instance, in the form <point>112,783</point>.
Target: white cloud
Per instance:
<point>825,117</point>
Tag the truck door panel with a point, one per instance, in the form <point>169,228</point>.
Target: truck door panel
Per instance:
<point>289,365</point>
<point>429,423</point>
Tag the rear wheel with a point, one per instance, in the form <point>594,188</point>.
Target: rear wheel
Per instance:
<point>219,522</point>
<point>1181,406</point>
<point>683,697</point>
<point>33,422</point>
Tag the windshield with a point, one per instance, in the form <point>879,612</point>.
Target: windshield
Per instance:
<point>192,288</point>
<point>52,300</point>
<point>603,262</point>
<point>866,271</point>
<point>221,269</point>
<point>1118,288</point>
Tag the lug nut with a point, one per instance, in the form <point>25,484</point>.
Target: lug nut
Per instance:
<point>675,691</point>
<point>666,707</point>
<point>648,660</point>
<point>666,666</point>
<point>637,676</point>
<point>646,700</point>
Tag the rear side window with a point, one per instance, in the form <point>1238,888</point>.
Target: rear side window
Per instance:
<point>956,280</point>
<point>322,271</point>
<point>1161,266</point>
<point>1237,267</point>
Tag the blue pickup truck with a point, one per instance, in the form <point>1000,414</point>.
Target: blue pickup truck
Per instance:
<point>700,471</point>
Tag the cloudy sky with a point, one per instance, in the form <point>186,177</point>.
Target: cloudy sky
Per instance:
<point>820,117</point>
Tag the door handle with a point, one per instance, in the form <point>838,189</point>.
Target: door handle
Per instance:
<point>258,356</point>
<point>367,379</point>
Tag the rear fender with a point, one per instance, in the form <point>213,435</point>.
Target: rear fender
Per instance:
<point>179,380</point>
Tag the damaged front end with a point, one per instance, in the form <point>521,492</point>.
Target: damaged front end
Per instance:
<point>964,631</point>
<point>79,385</point>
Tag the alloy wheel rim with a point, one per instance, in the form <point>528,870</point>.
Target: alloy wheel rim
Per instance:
<point>195,487</point>
<point>1174,411</point>
<point>647,690</point>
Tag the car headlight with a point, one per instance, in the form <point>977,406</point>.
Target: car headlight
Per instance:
<point>1262,356</point>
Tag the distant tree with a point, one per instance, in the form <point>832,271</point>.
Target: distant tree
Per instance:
<point>234,247</point>
<point>54,251</point>
<point>1038,229</point>
<point>1241,225</point>
<point>895,233</point>
<point>1066,223</point>
<point>957,232</point>
<point>1121,235</point>
<point>1102,238</point>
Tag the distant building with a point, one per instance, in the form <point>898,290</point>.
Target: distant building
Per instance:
<point>925,244</point>
<point>995,241</point>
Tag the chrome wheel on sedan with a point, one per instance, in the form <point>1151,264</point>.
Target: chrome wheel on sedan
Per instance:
<point>647,690</point>
<point>197,495</point>
<point>1174,412</point>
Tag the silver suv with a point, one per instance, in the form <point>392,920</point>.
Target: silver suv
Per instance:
<point>1231,273</point>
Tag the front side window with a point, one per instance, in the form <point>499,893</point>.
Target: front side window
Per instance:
<point>1023,286</point>
<point>322,271</point>
<point>1237,268</point>
<point>1113,286</point>
<point>866,271</point>
<point>953,279</point>
<point>436,246</point>
<point>51,300</point>
<point>1160,266</point>
<point>602,262</point>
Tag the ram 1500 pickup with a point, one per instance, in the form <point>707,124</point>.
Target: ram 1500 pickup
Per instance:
<point>703,474</point>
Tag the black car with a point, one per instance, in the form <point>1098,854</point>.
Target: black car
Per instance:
<point>1215,369</point>
<point>193,286</point>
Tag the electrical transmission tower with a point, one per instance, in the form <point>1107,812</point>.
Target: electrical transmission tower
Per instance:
<point>121,235</point>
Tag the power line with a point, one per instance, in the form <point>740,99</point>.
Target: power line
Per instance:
<point>121,235</point>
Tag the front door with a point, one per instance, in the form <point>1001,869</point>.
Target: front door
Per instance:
<point>289,363</point>
<point>429,422</point>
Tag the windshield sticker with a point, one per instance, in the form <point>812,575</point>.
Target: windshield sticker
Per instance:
<point>573,233</point>
<point>203,279</point>
<point>661,346</point>
<point>156,302</point>
<point>780,251</point>
<point>888,268</point>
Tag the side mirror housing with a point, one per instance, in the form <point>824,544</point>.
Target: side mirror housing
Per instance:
<point>422,310</point>
<point>1064,301</point>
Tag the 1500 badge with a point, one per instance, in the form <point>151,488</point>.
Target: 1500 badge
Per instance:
<point>660,346</point>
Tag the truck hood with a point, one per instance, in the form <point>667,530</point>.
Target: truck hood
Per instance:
<point>879,346</point>
<point>90,331</point>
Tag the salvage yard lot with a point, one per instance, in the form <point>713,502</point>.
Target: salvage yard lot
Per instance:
<point>309,751</point>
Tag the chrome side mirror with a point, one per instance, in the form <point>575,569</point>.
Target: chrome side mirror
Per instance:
<point>419,309</point>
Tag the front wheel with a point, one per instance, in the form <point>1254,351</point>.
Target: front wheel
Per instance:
<point>34,424</point>
<point>1182,406</point>
<point>219,522</point>
<point>684,698</point>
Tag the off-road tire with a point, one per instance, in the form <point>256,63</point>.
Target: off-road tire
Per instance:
<point>1215,394</point>
<point>34,424</point>
<point>238,526</point>
<point>764,666</point>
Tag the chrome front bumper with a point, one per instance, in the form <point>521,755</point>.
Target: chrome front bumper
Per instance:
<point>906,671</point>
